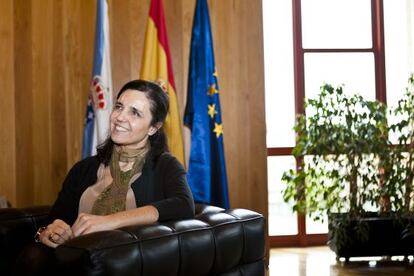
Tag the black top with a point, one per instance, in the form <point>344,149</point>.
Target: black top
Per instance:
<point>162,184</point>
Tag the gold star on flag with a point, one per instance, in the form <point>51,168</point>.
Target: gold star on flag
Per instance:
<point>212,90</point>
<point>212,110</point>
<point>218,129</point>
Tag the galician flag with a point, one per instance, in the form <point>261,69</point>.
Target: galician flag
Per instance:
<point>156,66</point>
<point>100,94</point>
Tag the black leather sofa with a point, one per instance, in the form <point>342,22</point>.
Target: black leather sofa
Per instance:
<point>216,242</point>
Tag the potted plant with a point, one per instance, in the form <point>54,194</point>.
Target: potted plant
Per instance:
<point>356,162</point>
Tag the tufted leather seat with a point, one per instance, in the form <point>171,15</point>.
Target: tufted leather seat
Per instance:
<point>216,242</point>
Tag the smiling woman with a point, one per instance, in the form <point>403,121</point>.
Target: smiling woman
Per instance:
<point>132,180</point>
<point>131,120</point>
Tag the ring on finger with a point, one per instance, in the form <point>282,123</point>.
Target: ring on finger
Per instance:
<point>51,238</point>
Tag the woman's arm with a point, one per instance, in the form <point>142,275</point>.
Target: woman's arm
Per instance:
<point>80,176</point>
<point>178,200</point>
<point>87,223</point>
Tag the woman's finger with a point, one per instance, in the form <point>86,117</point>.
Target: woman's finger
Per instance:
<point>80,225</point>
<point>63,233</point>
<point>55,238</point>
<point>45,238</point>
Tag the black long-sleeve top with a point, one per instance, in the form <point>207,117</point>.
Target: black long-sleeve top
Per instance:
<point>162,184</point>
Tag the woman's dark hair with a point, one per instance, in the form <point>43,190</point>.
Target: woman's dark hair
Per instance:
<point>159,104</point>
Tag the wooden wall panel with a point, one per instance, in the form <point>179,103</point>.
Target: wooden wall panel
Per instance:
<point>138,24</point>
<point>52,46</point>
<point>121,46</point>
<point>256,102</point>
<point>76,73</point>
<point>7,103</point>
<point>174,23</point>
<point>187,13</point>
<point>41,116</point>
<point>58,124</point>
<point>237,31</point>
<point>231,82</point>
<point>24,107</point>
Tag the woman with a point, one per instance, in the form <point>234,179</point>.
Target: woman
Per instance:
<point>132,179</point>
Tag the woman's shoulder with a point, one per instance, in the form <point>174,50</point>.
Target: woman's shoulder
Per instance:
<point>168,157</point>
<point>167,160</point>
<point>86,164</point>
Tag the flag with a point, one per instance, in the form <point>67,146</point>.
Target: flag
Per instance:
<point>206,175</point>
<point>156,66</point>
<point>100,100</point>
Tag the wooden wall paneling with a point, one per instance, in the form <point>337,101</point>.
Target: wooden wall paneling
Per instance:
<point>58,139</point>
<point>187,14</point>
<point>174,22</point>
<point>7,104</point>
<point>121,22</point>
<point>139,11</point>
<point>231,21</point>
<point>254,65</point>
<point>41,89</point>
<point>86,34</point>
<point>23,102</point>
<point>237,109</point>
<point>227,54</point>
<point>87,37</point>
<point>76,94</point>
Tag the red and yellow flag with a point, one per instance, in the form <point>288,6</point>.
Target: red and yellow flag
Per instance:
<point>156,66</point>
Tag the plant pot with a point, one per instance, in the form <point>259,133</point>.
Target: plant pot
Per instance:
<point>371,235</point>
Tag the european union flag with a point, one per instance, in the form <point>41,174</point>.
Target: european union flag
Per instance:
<point>206,175</point>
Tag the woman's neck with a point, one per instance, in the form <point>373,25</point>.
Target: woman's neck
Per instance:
<point>125,166</point>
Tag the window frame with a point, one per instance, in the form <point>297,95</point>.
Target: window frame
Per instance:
<point>378,50</point>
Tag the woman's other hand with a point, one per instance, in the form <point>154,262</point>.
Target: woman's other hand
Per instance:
<point>87,223</point>
<point>56,233</point>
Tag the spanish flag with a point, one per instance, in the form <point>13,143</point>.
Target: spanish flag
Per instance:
<point>156,66</point>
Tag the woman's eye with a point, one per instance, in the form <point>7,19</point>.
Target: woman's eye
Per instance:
<point>117,107</point>
<point>136,113</point>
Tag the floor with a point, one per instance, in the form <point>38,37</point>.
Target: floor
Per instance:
<point>321,261</point>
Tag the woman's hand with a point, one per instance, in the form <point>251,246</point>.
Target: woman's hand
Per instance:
<point>87,223</point>
<point>56,233</point>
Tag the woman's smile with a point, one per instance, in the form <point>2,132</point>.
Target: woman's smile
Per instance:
<point>120,128</point>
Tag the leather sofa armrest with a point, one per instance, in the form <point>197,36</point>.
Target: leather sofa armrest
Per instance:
<point>202,209</point>
<point>17,229</point>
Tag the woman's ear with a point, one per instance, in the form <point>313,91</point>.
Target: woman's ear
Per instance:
<point>154,128</point>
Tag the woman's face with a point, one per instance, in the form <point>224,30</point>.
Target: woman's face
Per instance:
<point>131,120</point>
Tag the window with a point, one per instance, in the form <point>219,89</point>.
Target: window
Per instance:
<point>366,45</point>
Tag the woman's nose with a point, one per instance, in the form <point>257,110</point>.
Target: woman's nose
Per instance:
<point>121,116</point>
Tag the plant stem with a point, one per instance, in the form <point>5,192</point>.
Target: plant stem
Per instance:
<point>353,187</point>
<point>409,178</point>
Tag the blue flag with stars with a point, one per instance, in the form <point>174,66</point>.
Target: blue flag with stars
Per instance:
<point>206,175</point>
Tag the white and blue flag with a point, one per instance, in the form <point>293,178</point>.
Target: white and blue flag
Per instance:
<point>100,94</point>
